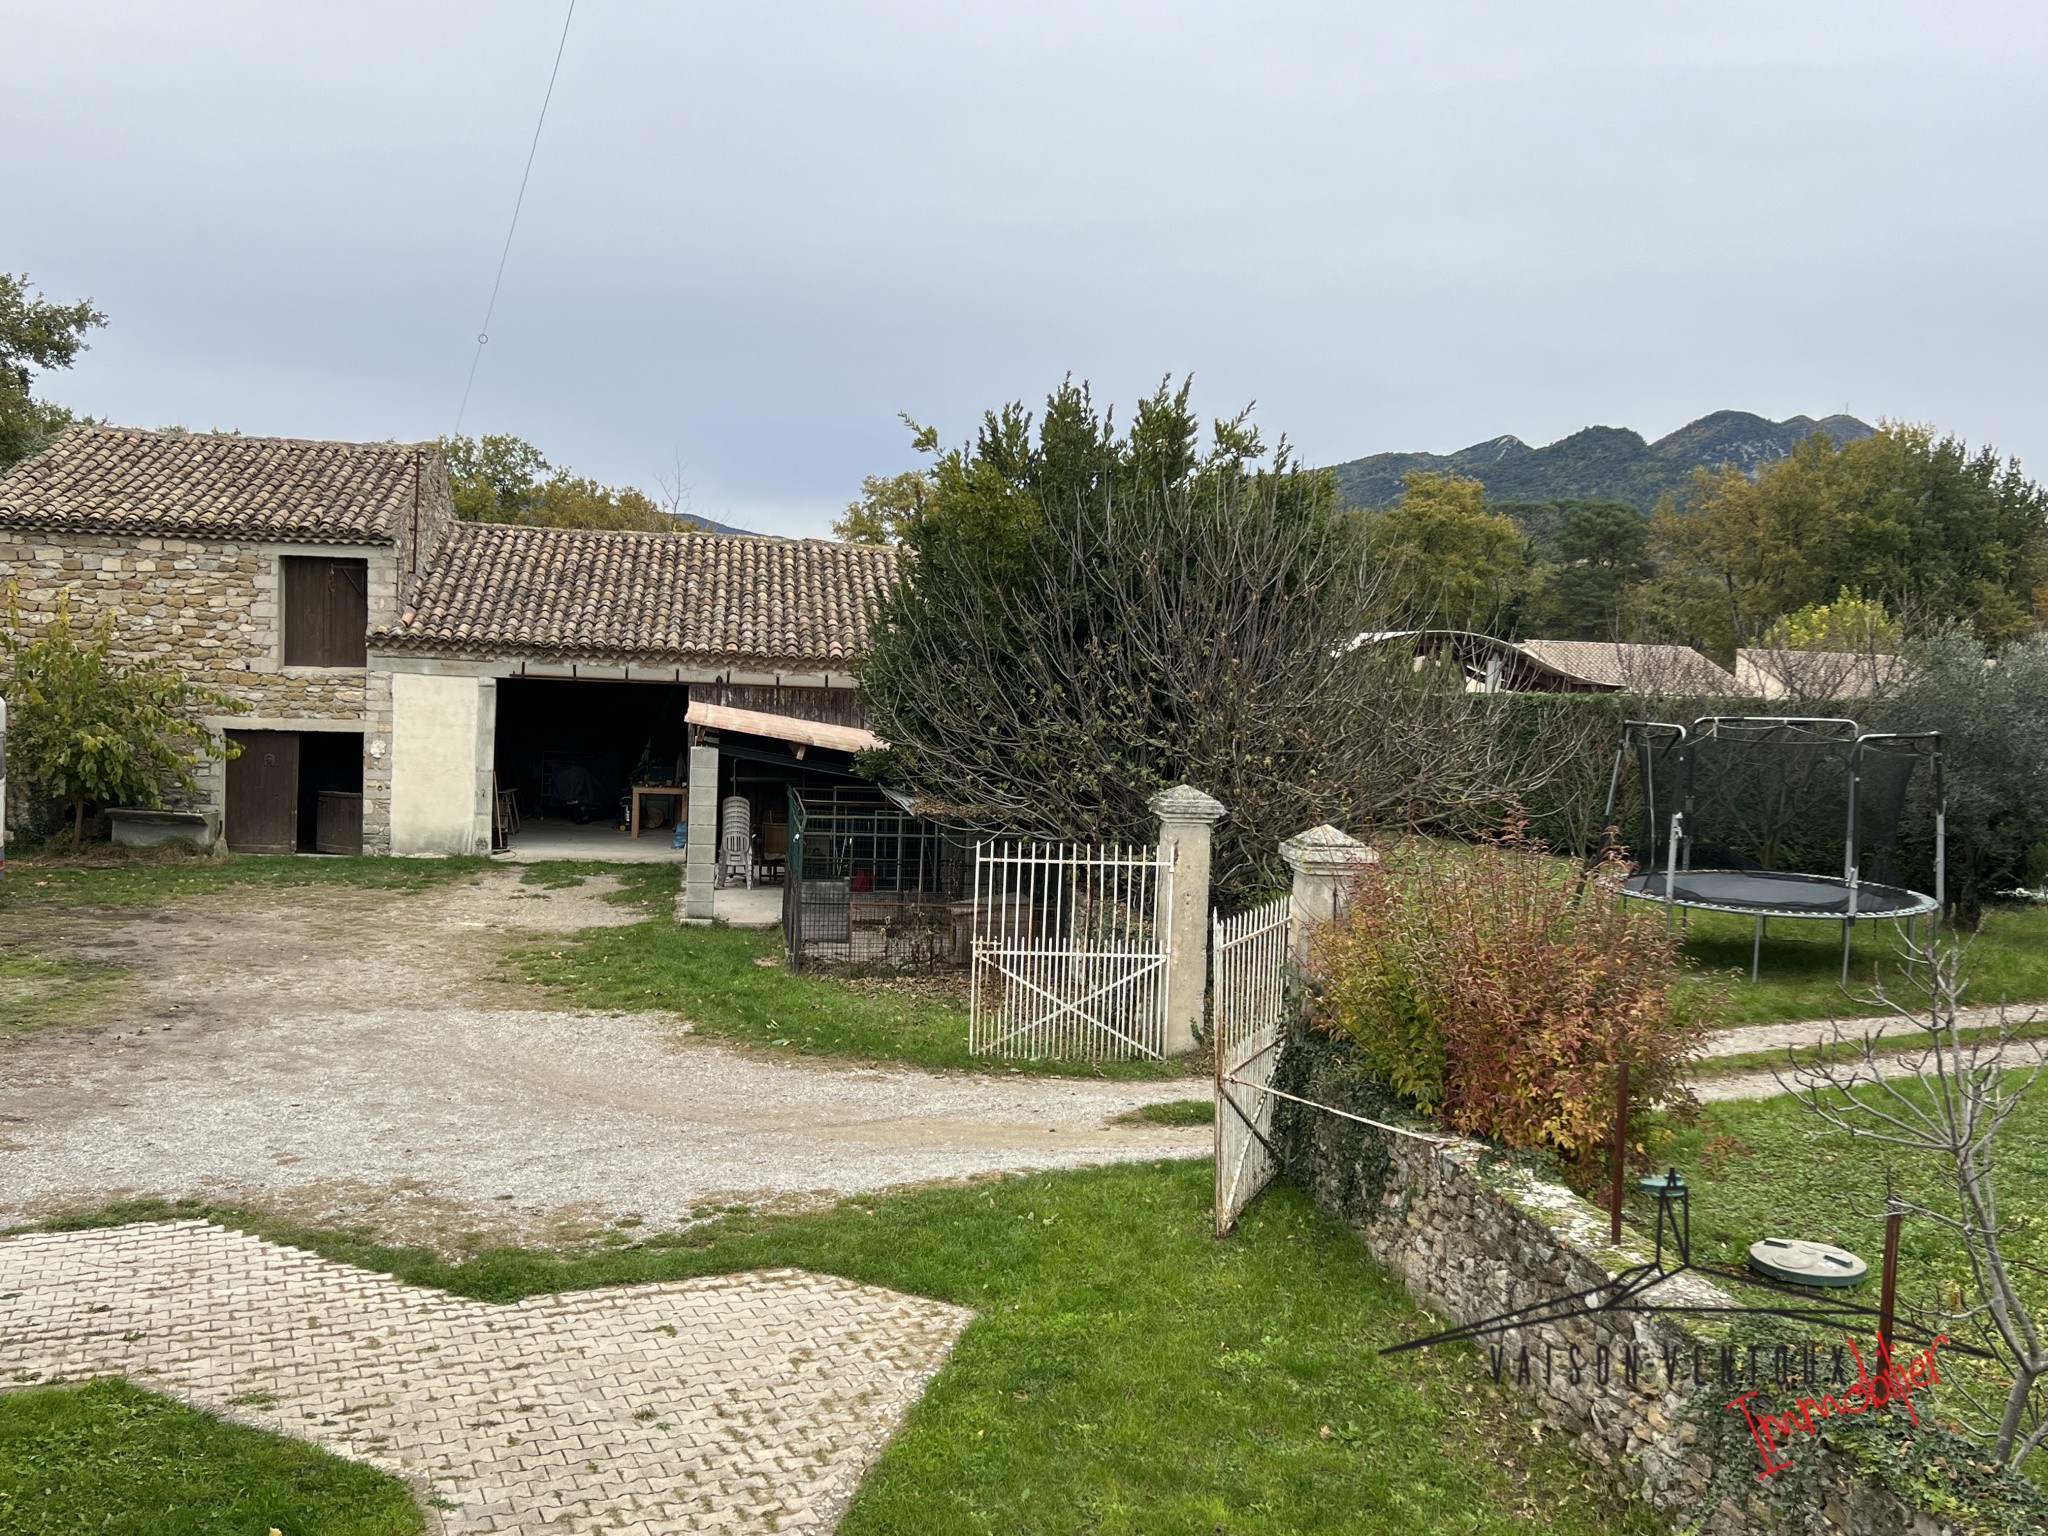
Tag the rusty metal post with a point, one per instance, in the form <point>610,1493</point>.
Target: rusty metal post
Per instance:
<point>1888,1295</point>
<point>1620,1152</point>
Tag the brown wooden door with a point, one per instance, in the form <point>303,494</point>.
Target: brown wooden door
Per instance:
<point>263,792</point>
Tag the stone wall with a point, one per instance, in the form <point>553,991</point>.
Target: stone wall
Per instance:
<point>211,607</point>
<point>1473,1236</point>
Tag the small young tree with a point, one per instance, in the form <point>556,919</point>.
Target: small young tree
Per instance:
<point>1948,1102</point>
<point>83,726</point>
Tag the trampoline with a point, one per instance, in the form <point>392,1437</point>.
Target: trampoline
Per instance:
<point>1750,815</point>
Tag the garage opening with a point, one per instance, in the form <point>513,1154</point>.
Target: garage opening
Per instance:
<point>570,755</point>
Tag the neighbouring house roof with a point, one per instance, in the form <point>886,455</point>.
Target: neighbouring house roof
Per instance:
<point>1493,665</point>
<point>214,485</point>
<point>697,598</point>
<point>805,733</point>
<point>1672,669</point>
<point>1774,674</point>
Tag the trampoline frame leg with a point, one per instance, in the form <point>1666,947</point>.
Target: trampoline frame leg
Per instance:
<point>1756,950</point>
<point>1848,928</point>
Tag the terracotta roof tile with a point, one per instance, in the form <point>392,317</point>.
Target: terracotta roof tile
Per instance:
<point>1673,669</point>
<point>212,485</point>
<point>708,599</point>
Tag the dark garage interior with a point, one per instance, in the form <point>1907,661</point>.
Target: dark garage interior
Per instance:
<point>330,792</point>
<point>571,748</point>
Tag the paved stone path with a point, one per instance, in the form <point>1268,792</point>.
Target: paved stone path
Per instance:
<point>740,1403</point>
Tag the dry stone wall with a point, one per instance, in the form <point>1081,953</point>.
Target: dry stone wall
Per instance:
<point>1472,1237</point>
<point>211,607</point>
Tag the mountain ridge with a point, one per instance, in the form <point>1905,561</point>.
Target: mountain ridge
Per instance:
<point>1598,463</point>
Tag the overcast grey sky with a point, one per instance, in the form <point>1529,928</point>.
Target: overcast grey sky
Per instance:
<point>755,233</point>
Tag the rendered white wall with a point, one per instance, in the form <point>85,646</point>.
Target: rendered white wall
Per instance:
<point>439,751</point>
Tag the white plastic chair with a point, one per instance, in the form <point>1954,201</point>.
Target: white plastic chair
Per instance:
<point>736,842</point>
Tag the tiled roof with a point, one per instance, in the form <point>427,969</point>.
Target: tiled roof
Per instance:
<point>1817,675</point>
<point>212,485</point>
<point>1672,669</point>
<point>703,598</point>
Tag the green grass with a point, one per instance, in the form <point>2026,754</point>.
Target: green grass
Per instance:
<point>1127,1374</point>
<point>732,984</point>
<point>107,1459</point>
<point>1172,1112</point>
<point>38,989</point>
<point>1802,964</point>
<point>158,877</point>
<point>1771,1168</point>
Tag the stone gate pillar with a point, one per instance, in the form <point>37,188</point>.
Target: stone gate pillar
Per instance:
<point>1186,817</point>
<point>1322,859</point>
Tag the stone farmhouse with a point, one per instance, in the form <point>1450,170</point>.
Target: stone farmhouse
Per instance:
<point>415,684</point>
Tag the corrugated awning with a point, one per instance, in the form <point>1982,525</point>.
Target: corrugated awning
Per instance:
<point>807,733</point>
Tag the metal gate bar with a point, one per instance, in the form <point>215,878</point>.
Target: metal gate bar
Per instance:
<point>1070,951</point>
<point>1248,1004</point>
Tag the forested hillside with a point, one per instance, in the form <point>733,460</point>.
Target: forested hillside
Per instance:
<point>1894,534</point>
<point>1599,463</point>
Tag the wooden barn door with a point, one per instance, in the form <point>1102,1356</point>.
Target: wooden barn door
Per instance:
<point>263,792</point>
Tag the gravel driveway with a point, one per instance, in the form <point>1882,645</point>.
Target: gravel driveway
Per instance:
<point>345,1056</point>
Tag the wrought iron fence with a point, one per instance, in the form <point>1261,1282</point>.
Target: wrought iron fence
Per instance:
<point>1070,951</point>
<point>1248,1004</point>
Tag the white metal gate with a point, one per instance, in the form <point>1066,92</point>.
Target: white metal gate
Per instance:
<point>1248,1002</point>
<point>1070,951</point>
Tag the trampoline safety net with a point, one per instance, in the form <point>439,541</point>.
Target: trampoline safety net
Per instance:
<point>1771,799</point>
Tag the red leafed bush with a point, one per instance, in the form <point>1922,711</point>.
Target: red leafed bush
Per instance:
<point>1497,986</point>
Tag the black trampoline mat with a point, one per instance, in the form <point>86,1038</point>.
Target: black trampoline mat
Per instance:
<point>1772,893</point>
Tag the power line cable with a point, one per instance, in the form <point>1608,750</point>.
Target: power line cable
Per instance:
<point>483,335</point>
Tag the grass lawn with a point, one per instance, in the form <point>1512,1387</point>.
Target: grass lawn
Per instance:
<point>732,984</point>
<point>111,1460</point>
<point>122,877</point>
<point>1769,1167</point>
<point>1802,964</point>
<point>1127,1374</point>
<point>38,989</point>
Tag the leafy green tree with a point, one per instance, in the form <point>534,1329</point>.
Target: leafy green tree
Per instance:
<point>1852,622</point>
<point>35,334</point>
<point>502,478</point>
<point>1934,531</point>
<point>1603,549</point>
<point>82,725</point>
<point>888,506</point>
<point>1454,561</point>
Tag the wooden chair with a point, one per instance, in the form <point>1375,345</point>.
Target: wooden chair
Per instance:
<point>774,849</point>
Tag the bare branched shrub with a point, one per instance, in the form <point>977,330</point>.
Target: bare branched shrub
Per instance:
<point>1949,1101</point>
<point>1497,986</point>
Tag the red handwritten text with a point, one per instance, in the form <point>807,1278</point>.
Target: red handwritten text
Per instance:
<point>1894,1382</point>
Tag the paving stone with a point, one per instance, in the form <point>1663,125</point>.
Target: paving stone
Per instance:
<point>768,1393</point>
